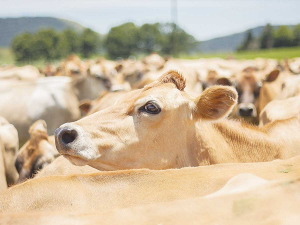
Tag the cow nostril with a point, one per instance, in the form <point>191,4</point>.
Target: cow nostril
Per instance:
<point>68,136</point>
<point>246,111</point>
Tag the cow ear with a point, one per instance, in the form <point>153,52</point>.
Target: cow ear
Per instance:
<point>215,103</point>
<point>174,77</point>
<point>39,125</point>
<point>85,105</point>
<point>118,67</point>
<point>272,76</point>
<point>224,81</point>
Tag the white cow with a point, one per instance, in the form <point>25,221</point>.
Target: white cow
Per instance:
<point>52,99</point>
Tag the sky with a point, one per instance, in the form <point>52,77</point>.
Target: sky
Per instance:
<point>205,19</point>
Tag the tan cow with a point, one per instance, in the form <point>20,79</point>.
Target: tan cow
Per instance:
<point>161,127</point>
<point>26,73</point>
<point>10,141</point>
<point>104,191</point>
<point>253,93</point>
<point>62,166</point>
<point>261,202</point>
<point>280,110</point>
<point>36,153</point>
<point>3,182</point>
<point>38,157</point>
<point>103,101</point>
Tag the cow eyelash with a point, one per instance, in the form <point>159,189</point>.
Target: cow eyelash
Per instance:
<point>151,108</point>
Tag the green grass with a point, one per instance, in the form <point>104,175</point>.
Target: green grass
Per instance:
<point>6,56</point>
<point>278,53</point>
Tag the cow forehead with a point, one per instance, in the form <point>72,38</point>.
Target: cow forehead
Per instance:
<point>247,80</point>
<point>166,94</point>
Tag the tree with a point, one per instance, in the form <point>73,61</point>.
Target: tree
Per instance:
<point>47,44</point>
<point>69,43</point>
<point>296,35</point>
<point>267,37</point>
<point>149,38</point>
<point>247,42</point>
<point>121,41</point>
<point>283,37</point>
<point>89,42</point>
<point>175,39</point>
<point>23,47</point>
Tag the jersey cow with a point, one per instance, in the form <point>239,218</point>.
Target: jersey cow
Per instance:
<point>104,191</point>
<point>161,127</point>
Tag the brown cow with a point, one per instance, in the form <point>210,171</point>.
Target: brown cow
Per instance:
<point>252,94</point>
<point>160,127</point>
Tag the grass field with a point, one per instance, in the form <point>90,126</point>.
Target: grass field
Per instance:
<point>6,56</point>
<point>278,53</point>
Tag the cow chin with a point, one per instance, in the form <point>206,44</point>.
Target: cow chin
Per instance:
<point>75,160</point>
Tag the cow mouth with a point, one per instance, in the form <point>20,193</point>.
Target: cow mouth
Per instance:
<point>76,160</point>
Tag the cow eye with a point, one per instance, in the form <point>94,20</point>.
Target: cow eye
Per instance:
<point>150,107</point>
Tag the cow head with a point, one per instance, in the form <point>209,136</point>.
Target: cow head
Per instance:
<point>249,86</point>
<point>146,128</point>
<point>35,153</point>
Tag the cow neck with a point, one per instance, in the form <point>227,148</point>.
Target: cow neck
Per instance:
<point>231,141</point>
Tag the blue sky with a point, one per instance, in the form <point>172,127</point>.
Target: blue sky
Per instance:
<point>202,18</point>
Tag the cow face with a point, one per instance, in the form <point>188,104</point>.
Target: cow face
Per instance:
<point>35,153</point>
<point>146,128</point>
<point>248,87</point>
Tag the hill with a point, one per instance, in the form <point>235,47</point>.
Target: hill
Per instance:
<point>10,27</point>
<point>229,43</point>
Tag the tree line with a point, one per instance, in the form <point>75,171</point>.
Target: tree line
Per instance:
<point>121,41</point>
<point>272,38</point>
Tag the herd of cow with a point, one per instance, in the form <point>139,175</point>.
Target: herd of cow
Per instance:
<point>152,141</point>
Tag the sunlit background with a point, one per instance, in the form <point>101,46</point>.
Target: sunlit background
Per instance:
<point>211,28</point>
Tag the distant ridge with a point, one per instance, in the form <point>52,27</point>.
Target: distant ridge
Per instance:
<point>10,27</point>
<point>231,42</point>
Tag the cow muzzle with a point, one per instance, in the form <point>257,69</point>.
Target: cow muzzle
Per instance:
<point>75,144</point>
<point>247,110</point>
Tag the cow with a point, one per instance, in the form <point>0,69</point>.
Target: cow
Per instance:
<point>103,101</point>
<point>3,182</point>
<point>36,153</point>
<point>253,93</point>
<point>161,127</point>
<point>61,166</point>
<point>9,142</point>
<point>245,199</point>
<point>52,99</point>
<point>26,73</point>
<point>154,61</point>
<point>111,190</point>
<point>88,83</point>
<point>290,87</point>
<point>280,110</point>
